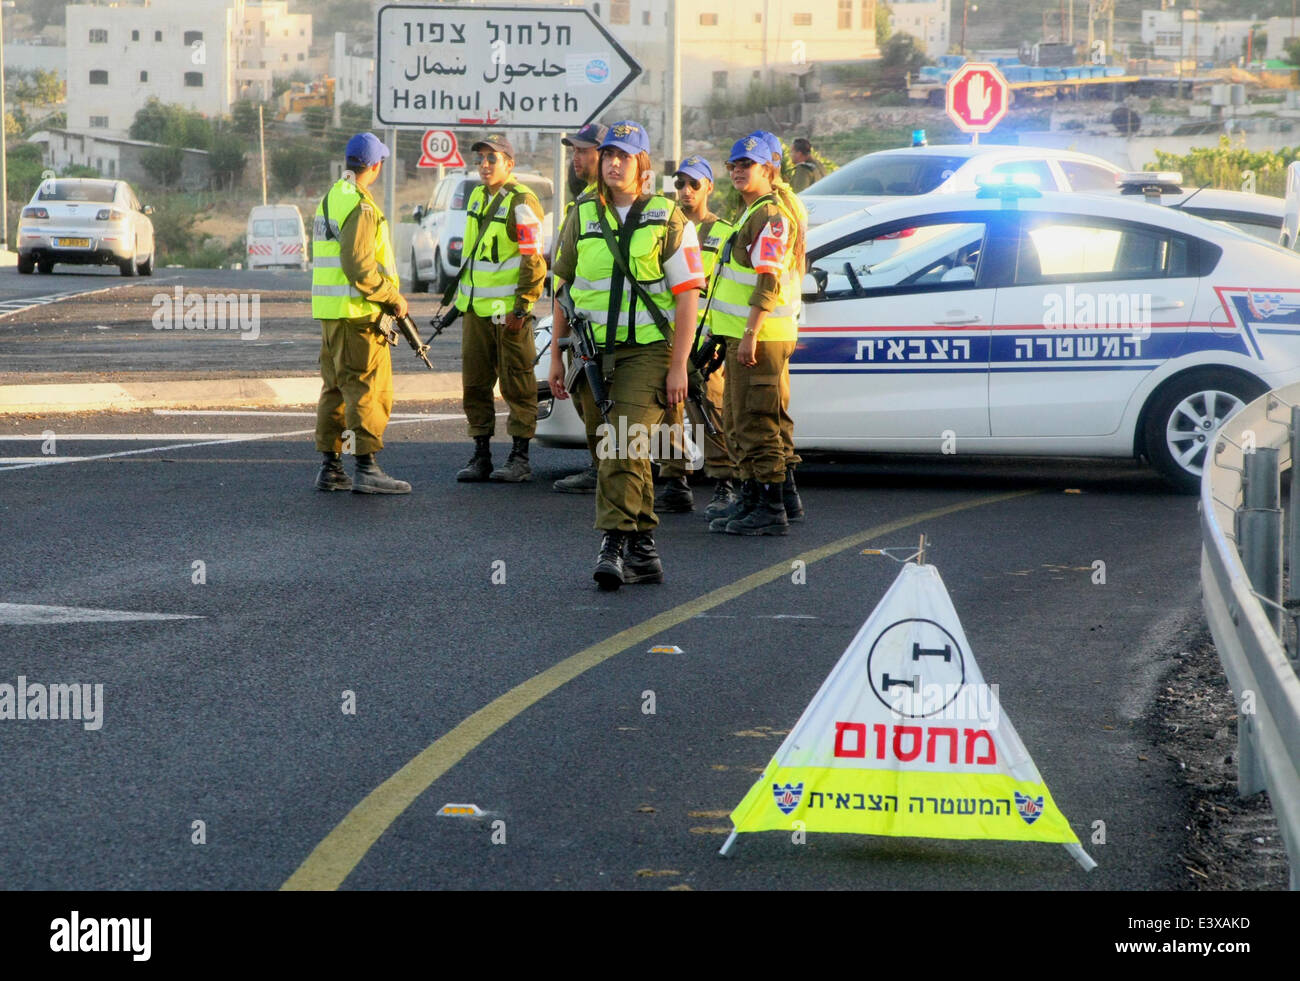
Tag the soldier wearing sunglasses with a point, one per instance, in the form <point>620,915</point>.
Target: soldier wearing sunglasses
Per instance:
<point>694,183</point>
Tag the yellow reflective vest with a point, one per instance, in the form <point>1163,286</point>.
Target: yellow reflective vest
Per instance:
<point>332,296</point>
<point>733,283</point>
<point>490,282</point>
<point>593,277</point>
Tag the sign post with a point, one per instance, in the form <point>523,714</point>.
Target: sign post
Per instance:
<point>529,68</point>
<point>978,96</point>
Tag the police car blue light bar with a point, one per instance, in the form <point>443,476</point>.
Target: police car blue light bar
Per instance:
<point>1014,184</point>
<point>1150,182</point>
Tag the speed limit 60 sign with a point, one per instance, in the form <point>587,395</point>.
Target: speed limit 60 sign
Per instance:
<point>438,148</point>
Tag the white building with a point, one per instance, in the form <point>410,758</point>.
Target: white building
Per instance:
<point>353,74</point>
<point>1280,30</point>
<point>274,39</point>
<point>1181,33</point>
<point>926,20</point>
<point>177,51</point>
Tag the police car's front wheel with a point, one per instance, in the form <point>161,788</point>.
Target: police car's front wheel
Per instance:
<point>1184,416</point>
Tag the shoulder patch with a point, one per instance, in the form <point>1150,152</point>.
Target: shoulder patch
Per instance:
<point>777,226</point>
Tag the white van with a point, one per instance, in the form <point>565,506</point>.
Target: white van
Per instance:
<point>276,238</point>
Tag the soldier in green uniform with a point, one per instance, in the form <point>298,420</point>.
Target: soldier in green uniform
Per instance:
<point>504,276</point>
<point>753,304</point>
<point>354,283</point>
<point>586,163</point>
<point>654,244</point>
<point>808,170</point>
<point>694,184</point>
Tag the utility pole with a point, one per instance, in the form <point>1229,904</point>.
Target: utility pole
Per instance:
<point>261,143</point>
<point>4,162</point>
<point>673,131</point>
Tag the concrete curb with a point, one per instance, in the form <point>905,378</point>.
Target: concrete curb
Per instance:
<point>230,393</point>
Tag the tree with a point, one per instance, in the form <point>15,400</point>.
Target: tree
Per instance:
<point>289,168</point>
<point>164,164</point>
<point>243,114</point>
<point>884,24</point>
<point>171,125</point>
<point>1293,50</point>
<point>226,159</point>
<point>315,119</point>
<point>355,118</point>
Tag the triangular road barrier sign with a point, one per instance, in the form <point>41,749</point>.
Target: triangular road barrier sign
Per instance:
<point>904,738</point>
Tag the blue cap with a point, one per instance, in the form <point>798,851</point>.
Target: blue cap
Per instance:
<point>696,167</point>
<point>752,147</point>
<point>366,147</point>
<point>773,143</point>
<point>627,136</point>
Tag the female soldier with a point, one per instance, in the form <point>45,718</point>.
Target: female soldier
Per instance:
<point>753,304</point>
<point>631,261</point>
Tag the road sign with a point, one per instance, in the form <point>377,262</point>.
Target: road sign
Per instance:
<point>438,149</point>
<point>978,97</point>
<point>538,68</point>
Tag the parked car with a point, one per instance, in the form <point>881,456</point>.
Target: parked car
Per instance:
<point>438,242</point>
<point>85,221</point>
<point>276,238</point>
<point>1031,324</point>
<point>952,169</point>
<point>1260,215</point>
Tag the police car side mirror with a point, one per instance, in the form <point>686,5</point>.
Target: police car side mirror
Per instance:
<point>814,283</point>
<point>418,213</point>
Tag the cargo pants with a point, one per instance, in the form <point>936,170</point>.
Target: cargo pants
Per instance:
<point>490,353</point>
<point>759,400</point>
<point>625,493</point>
<point>357,386</point>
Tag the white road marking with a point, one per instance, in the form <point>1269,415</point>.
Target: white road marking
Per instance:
<point>240,438</point>
<point>19,304</point>
<point>25,615</point>
<point>437,417</point>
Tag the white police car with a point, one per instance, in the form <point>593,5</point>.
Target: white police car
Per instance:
<point>1024,323</point>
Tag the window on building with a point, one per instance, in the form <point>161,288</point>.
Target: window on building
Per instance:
<point>157,35</point>
<point>708,20</point>
<point>845,20</point>
<point>144,76</point>
<point>192,36</point>
<point>112,168</point>
<point>758,18</point>
<point>99,77</point>
<point>301,56</point>
<point>595,9</point>
<point>620,12</point>
<point>284,57</point>
<point>98,35</point>
<point>803,20</point>
<point>194,80</point>
<point>302,32</point>
<point>868,15</point>
<point>135,35</point>
<point>261,64</point>
<point>99,122</point>
<point>645,17</point>
<point>719,80</point>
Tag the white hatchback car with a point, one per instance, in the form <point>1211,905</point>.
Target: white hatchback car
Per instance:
<point>1030,324</point>
<point>84,221</point>
<point>953,169</point>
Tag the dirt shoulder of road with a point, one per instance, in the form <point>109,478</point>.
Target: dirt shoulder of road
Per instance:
<point>1232,843</point>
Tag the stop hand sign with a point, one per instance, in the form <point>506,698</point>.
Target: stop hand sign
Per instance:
<point>978,97</point>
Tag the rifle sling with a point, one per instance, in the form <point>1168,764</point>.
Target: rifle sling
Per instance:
<point>468,257</point>
<point>623,273</point>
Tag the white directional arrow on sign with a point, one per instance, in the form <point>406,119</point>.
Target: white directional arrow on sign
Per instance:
<point>25,614</point>
<point>538,68</point>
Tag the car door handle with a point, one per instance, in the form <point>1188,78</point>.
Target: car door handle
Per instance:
<point>1164,303</point>
<point>959,321</point>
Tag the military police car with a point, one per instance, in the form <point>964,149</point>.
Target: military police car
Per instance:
<point>1028,323</point>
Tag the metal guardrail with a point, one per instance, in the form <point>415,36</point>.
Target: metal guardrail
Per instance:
<point>1241,585</point>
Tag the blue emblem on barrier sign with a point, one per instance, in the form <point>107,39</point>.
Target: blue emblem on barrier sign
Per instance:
<point>787,798</point>
<point>1030,808</point>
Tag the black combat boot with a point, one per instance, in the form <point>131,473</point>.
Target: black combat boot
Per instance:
<point>767,518</point>
<point>724,496</point>
<point>743,504</point>
<point>516,469</point>
<point>642,563</point>
<point>609,563</point>
<point>332,476</point>
<point>790,497</point>
<point>372,480</point>
<point>480,464</point>
<point>674,497</point>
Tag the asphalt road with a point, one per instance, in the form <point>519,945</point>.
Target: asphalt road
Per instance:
<point>135,329</point>
<point>235,718</point>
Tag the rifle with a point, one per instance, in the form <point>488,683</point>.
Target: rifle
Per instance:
<point>586,355</point>
<point>392,327</point>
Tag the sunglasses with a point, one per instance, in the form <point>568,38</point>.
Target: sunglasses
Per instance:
<point>739,164</point>
<point>490,158</point>
<point>681,182</point>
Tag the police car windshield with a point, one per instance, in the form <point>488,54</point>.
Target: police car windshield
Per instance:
<point>896,174</point>
<point>76,191</point>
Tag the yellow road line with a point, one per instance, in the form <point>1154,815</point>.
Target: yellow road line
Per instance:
<point>333,860</point>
